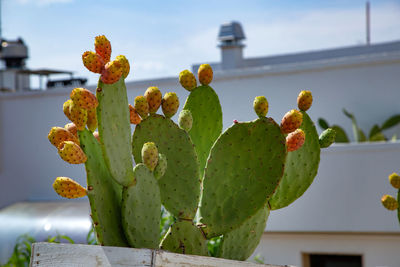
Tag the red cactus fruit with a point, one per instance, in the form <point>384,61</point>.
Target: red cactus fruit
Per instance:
<point>103,47</point>
<point>295,140</point>
<point>93,62</point>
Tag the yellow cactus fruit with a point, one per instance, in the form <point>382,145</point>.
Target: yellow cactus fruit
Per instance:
<point>150,155</point>
<point>205,74</point>
<point>142,106</point>
<point>124,65</point>
<point>260,106</point>
<point>291,121</point>
<point>389,202</point>
<point>187,80</point>
<point>134,116</point>
<point>71,152</point>
<point>57,135</point>
<point>153,97</point>
<point>92,119</point>
<point>170,104</point>
<point>304,100</point>
<point>394,180</point>
<point>78,116</point>
<point>111,73</point>
<point>68,188</point>
<point>93,62</point>
<point>84,98</point>
<point>103,47</point>
<point>71,127</point>
<point>66,108</point>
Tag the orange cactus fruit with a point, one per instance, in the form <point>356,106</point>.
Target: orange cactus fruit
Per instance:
<point>304,100</point>
<point>187,80</point>
<point>93,62</point>
<point>291,121</point>
<point>205,74</point>
<point>57,135</point>
<point>103,47</point>
<point>394,180</point>
<point>84,98</point>
<point>112,72</point>
<point>124,65</point>
<point>142,106</point>
<point>71,127</point>
<point>71,152</point>
<point>153,97</point>
<point>68,188</point>
<point>170,104</point>
<point>389,202</point>
<point>66,108</point>
<point>92,119</point>
<point>78,116</point>
<point>134,116</point>
<point>295,140</point>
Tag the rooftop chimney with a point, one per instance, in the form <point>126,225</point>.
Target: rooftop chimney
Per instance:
<point>230,36</point>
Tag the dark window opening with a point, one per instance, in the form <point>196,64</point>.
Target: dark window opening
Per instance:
<point>330,260</point>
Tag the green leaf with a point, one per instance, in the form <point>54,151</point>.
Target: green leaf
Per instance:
<point>359,136</point>
<point>341,136</point>
<point>323,123</point>
<point>374,130</point>
<point>392,121</point>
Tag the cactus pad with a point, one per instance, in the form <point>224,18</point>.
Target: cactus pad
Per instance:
<point>300,169</point>
<point>185,238</point>
<point>141,206</point>
<point>244,168</point>
<point>180,185</point>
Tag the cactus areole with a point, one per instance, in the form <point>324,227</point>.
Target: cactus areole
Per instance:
<point>214,183</point>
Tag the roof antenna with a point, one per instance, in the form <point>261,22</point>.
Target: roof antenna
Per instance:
<point>368,20</point>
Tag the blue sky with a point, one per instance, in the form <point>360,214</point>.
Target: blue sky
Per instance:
<point>160,38</point>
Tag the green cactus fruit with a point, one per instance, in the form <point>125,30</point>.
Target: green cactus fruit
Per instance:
<point>241,242</point>
<point>291,121</point>
<point>83,98</point>
<point>394,180</point>
<point>78,116</point>
<point>301,167</point>
<point>133,115</point>
<point>66,108</point>
<point>180,185</point>
<point>185,238</point>
<point>68,188</point>
<point>71,127</point>
<point>142,106</point>
<point>57,135</point>
<point>115,130</point>
<point>260,106</point>
<point>170,104</point>
<point>153,97</point>
<point>112,72</point>
<point>187,80</point>
<point>389,202</point>
<point>304,100</point>
<point>103,47</point>
<point>71,152</point>
<point>161,167</point>
<point>150,155</point>
<point>104,194</point>
<point>141,206</point>
<point>295,140</point>
<point>93,62</point>
<point>327,138</point>
<point>205,74</point>
<point>124,65</point>
<point>185,120</point>
<point>92,119</point>
<point>206,111</point>
<point>244,168</point>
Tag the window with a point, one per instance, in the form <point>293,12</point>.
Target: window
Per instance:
<point>331,260</point>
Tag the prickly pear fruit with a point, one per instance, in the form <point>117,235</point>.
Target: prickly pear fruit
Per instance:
<point>150,155</point>
<point>153,97</point>
<point>327,138</point>
<point>97,136</point>
<point>187,80</point>
<point>66,187</point>
<point>170,104</point>
<point>185,120</point>
<point>124,65</point>
<point>291,121</point>
<point>295,140</point>
<point>141,106</point>
<point>57,135</point>
<point>71,127</point>
<point>304,100</point>
<point>103,47</point>
<point>93,62</point>
<point>78,116</point>
<point>389,202</point>
<point>161,167</point>
<point>71,152</point>
<point>92,119</point>
<point>84,98</point>
<point>66,108</point>
<point>134,116</point>
<point>260,106</point>
<point>112,72</point>
<point>394,180</point>
<point>205,74</point>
